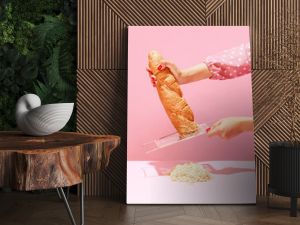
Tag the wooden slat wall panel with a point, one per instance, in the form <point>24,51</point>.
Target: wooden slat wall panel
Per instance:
<point>156,13</point>
<point>104,35</point>
<point>102,69</point>
<point>102,107</point>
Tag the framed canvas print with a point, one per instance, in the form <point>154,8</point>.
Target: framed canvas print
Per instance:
<point>190,118</point>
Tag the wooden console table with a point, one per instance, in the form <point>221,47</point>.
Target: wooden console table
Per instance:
<point>54,161</point>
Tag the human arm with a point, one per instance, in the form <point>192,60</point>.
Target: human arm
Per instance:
<point>228,64</point>
<point>230,127</point>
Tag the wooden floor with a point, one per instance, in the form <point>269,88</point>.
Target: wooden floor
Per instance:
<point>45,209</point>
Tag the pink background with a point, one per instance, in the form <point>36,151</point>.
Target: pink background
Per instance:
<point>210,100</point>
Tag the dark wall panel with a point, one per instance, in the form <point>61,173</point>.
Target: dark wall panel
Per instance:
<point>102,69</point>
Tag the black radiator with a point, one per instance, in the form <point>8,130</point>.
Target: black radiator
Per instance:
<point>285,171</point>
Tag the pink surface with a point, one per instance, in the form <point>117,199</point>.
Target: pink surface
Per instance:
<point>232,182</point>
<point>165,168</point>
<point>210,100</point>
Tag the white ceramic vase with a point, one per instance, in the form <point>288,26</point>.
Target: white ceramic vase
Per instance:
<point>39,120</point>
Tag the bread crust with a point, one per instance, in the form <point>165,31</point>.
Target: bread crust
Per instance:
<point>170,94</point>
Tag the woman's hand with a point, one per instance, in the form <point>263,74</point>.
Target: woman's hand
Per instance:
<point>230,127</point>
<point>177,73</point>
<point>152,77</point>
<point>188,75</point>
<point>192,74</point>
<point>172,67</point>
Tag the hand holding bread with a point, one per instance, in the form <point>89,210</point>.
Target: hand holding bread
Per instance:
<point>170,95</point>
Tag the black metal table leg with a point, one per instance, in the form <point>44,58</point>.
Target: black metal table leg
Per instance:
<point>293,210</point>
<point>62,195</point>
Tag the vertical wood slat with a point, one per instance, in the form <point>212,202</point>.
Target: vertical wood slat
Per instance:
<point>262,177</point>
<point>101,37</point>
<point>102,53</point>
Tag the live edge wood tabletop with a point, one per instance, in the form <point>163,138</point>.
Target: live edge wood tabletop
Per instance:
<point>57,160</point>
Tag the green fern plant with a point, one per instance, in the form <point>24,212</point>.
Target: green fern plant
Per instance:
<point>17,73</point>
<point>57,73</point>
<point>37,53</point>
<point>53,43</point>
<point>7,112</point>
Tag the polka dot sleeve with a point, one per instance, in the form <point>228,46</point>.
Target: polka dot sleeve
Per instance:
<point>230,63</point>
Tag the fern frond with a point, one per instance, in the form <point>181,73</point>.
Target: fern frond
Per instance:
<point>49,33</point>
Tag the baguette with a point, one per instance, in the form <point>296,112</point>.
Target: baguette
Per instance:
<point>170,94</point>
